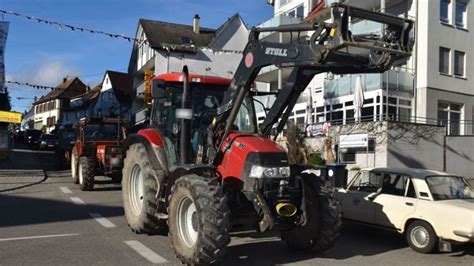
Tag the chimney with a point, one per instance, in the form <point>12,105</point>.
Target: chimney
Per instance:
<point>64,79</point>
<point>196,23</point>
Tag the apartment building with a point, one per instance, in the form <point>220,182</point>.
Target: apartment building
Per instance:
<point>49,108</point>
<point>432,87</point>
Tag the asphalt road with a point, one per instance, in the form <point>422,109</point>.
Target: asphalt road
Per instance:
<point>46,220</point>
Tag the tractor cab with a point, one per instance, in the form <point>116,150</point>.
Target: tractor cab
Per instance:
<point>205,95</point>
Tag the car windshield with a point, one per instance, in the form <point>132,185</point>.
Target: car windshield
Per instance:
<point>449,187</point>
<point>101,132</point>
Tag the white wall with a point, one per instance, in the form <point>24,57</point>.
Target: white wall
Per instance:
<point>460,155</point>
<point>40,118</point>
<point>433,34</point>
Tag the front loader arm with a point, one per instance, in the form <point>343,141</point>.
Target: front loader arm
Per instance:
<point>331,48</point>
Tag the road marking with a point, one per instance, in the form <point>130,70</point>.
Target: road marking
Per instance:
<point>102,220</point>
<point>145,252</point>
<point>77,201</point>
<point>65,190</point>
<point>35,237</point>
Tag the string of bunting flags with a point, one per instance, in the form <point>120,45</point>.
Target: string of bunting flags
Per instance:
<point>116,36</point>
<point>40,87</point>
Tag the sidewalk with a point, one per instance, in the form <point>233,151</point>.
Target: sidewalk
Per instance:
<point>29,160</point>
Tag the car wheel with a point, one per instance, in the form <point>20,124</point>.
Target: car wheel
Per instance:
<point>421,237</point>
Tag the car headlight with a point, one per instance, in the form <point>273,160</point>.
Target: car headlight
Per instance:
<point>258,171</point>
<point>43,142</point>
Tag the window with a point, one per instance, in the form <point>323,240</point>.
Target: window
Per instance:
<point>348,157</point>
<point>444,10</point>
<point>284,2</point>
<point>187,40</point>
<point>297,12</point>
<point>444,60</point>
<point>449,115</point>
<point>459,63</point>
<point>460,14</point>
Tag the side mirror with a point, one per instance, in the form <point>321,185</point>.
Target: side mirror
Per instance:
<point>157,89</point>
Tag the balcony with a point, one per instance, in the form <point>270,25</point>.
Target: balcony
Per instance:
<point>396,80</point>
<point>275,22</point>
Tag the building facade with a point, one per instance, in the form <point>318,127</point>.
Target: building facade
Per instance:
<point>115,98</point>
<point>79,106</point>
<point>432,87</point>
<point>48,109</point>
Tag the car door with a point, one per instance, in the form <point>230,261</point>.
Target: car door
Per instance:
<point>396,201</point>
<point>355,200</point>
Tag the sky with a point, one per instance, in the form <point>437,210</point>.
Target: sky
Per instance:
<point>43,54</point>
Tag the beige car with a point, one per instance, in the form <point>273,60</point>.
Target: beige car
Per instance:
<point>429,207</point>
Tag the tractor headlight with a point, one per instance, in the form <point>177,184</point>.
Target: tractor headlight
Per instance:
<point>114,150</point>
<point>258,171</point>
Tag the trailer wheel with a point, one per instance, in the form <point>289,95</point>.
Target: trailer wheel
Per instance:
<point>198,220</point>
<point>324,218</point>
<point>86,173</point>
<point>140,187</point>
<point>74,166</point>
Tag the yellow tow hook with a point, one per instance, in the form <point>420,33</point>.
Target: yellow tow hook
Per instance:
<point>285,209</point>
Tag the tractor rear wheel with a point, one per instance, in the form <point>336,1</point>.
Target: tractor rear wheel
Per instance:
<point>323,218</point>
<point>74,166</point>
<point>86,173</point>
<point>140,187</point>
<point>198,220</point>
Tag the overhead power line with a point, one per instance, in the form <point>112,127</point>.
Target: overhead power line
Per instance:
<point>114,35</point>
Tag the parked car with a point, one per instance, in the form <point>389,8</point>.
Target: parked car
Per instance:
<point>47,141</point>
<point>32,136</point>
<point>429,207</point>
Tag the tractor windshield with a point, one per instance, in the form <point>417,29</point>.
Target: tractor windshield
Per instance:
<point>205,100</point>
<point>99,132</point>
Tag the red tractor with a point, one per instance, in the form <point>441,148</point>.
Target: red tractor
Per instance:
<point>97,151</point>
<point>199,171</point>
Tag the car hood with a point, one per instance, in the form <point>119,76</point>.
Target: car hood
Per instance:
<point>463,203</point>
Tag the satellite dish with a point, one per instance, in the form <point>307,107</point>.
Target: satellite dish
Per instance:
<point>271,2</point>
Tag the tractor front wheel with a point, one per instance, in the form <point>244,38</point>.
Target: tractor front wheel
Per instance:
<point>323,213</point>
<point>198,220</point>
<point>86,173</point>
<point>140,188</point>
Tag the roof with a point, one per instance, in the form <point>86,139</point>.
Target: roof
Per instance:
<point>162,34</point>
<point>63,90</point>
<point>178,77</point>
<point>413,172</point>
<point>122,83</point>
<point>88,97</point>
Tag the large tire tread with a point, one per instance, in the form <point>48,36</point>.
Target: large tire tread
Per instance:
<point>325,222</point>
<point>147,222</point>
<point>88,173</point>
<point>214,225</point>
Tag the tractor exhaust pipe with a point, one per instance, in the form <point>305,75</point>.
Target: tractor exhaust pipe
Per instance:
<point>185,114</point>
<point>285,209</point>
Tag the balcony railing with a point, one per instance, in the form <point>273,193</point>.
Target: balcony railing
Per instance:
<point>345,85</point>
